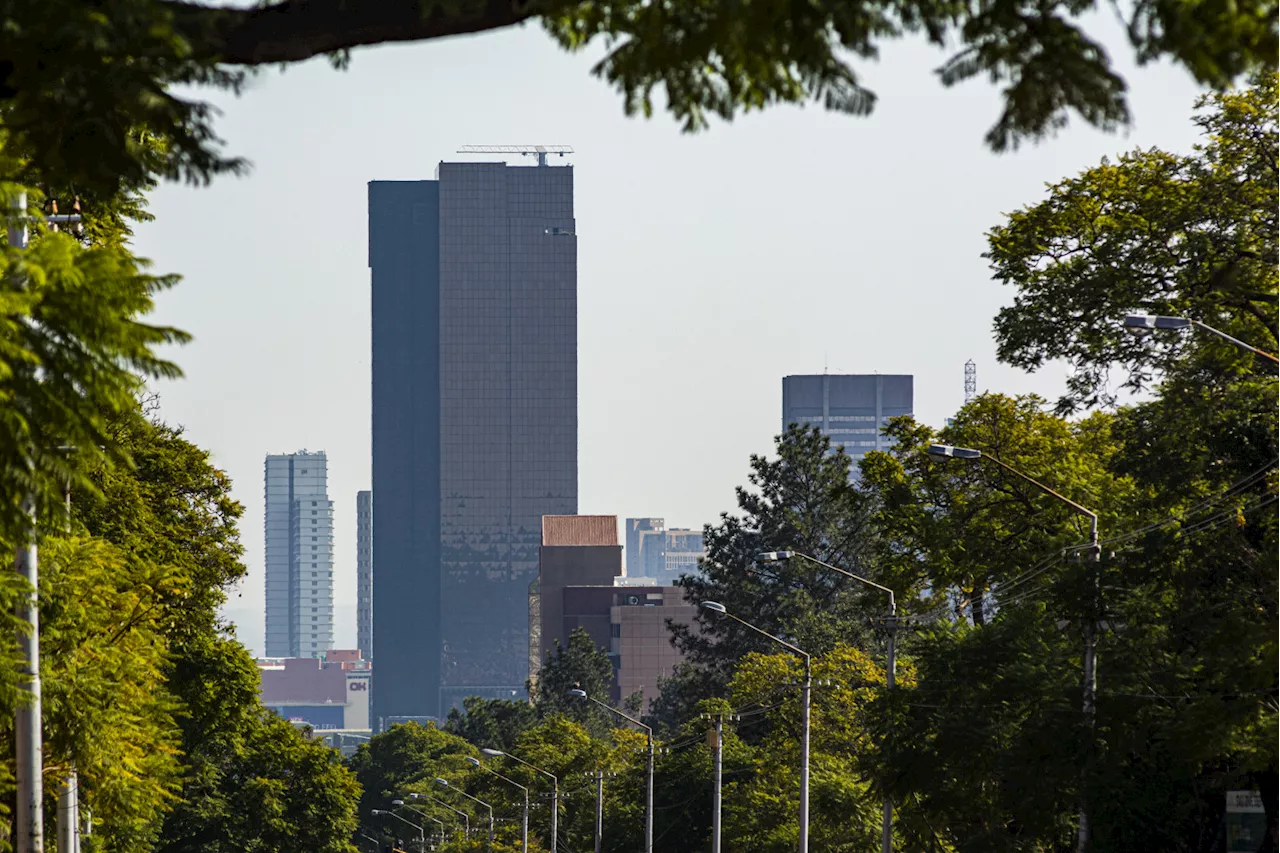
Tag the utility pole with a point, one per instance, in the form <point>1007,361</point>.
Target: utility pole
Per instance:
<point>27,730</point>
<point>1090,685</point>
<point>716,738</point>
<point>891,628</point>
<point>806,690</point>
<point>599,808</point>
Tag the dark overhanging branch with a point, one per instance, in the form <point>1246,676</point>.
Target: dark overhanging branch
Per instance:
<point>296,30</point>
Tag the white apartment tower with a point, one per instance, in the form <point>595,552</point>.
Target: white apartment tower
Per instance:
<point>364,573</point>
<point>299,555</point>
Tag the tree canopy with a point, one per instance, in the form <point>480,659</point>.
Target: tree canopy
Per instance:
<point>122,67</point>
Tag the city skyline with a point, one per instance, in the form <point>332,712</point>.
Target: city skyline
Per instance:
<point>691,281</point>
<point>475,427</point>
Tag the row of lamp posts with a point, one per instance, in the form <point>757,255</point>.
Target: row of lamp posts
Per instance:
<point>1136,322</point>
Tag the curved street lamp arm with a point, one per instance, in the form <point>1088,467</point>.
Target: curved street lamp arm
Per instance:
<point>1088,513</point>
<point>799,651</point>
<point>622,715</point>
<point>893,605</point>
<point>1268,356</point>
<point>531,766</point>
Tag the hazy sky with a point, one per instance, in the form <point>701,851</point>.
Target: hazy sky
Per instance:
<point>710,266</point>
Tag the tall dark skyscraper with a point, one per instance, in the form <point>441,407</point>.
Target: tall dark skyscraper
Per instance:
<point>475,422</point>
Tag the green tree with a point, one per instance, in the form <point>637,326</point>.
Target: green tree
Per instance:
<point>965,529</point>
<point>170,516</point>
<point>802,500</point>
<point>491,723</point>
<point>580,665</point>
<point>1185,235</point>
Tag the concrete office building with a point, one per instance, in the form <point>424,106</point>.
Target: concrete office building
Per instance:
<point>475,422</point>
<point>581,585</point>
<point>364,573</point>
<point>298,531</point>
<point>849,409</point>
<point>660,554</point>
<point>576,550</point>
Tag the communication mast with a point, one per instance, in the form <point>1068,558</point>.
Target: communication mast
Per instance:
<point>970,380</point>
<point>539,151</point>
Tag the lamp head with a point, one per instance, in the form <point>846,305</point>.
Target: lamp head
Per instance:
<point>397,802</point>
<point>1147,322</point>
<point>578,694</point>
<point>493,753</point>
<point>377,811</point>
<point>774,556</point>
<point>474,762</point>
<point>444,782</point>
<point>415,796</point>
<point>714,606</point>
<point>946,451</point>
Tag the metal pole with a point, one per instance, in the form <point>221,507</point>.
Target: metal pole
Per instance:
<point>555,812</point>
<point>648,810</point>
<point>68,806</point>
<point>805,689</point>
<point>1083,829</point>
<point>599,808</point>
<point>490,827</point>
<point>69,787</point>
<point>27,731</point>
<point>886,830</point>
<point>524,824</point>
<point>715,797</point>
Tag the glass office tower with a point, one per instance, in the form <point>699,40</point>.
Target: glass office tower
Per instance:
<point>475,420</point>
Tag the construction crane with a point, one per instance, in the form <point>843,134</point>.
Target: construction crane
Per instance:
<point>970,380</point>
<point>539,151</point>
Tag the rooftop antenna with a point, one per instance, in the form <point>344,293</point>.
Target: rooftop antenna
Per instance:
<point>539,151</point>
<point>970,380</point>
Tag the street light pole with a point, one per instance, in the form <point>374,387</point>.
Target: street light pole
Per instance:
<point>466,819</point>
<point>648,810</point>
<point>555,790</point>
<point>403,805</point>
<point>891,629</point>
<point>806,688</point>
<point>1090,663</point>
<point>524,816</point>
<point>445,783</point>
<point>422,832</point>
<point>27,717</point>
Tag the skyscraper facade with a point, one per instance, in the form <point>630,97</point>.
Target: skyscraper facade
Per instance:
<point>849,409</point>
<point>298,530</point>
<point>475,410</point>
<point>364,573</point>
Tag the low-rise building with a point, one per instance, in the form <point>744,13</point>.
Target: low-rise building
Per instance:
<point>325,693</point>
<point>582,585</point>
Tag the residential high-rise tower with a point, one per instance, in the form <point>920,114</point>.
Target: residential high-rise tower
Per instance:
<point>475,415</point>
<point>298,529</point>
<point>364,573</point>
